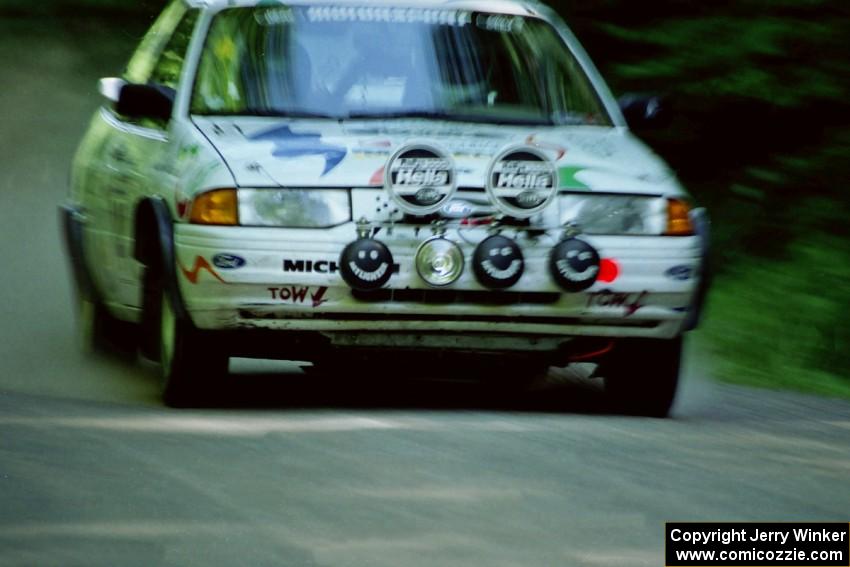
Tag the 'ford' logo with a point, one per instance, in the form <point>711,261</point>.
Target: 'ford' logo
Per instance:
<point>228,261</point>
<point>457,210</point>
<point>680,273</point>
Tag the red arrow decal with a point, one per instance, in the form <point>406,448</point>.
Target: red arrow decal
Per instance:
<point>200,264</point>
<point>318,296</point>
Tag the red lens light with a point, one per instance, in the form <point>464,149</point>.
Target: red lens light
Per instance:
<point>609,270</point>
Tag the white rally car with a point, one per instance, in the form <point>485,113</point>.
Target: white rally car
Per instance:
<point>403,181</point>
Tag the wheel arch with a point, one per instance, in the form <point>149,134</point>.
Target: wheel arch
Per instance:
<point>154,247</point>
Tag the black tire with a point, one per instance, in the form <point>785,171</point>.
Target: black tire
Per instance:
<point>99,332</point>
<point>192,366</point>
<point>642,375</point>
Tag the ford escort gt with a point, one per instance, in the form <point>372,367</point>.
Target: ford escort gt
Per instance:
<point>320,181</point>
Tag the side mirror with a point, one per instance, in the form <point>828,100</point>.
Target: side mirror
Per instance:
<point>645,111</point>
<point>110,88</point>
<point>145,101</point>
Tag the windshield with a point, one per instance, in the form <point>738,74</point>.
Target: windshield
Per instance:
<point>350,62</point>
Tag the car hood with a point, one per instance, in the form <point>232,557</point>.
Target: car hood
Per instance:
<point>263,152</point>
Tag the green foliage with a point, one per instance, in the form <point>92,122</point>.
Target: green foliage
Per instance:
<point>52,8</point>
<point>783,324</point>
<point>761,92</point>
<point>775,60</point>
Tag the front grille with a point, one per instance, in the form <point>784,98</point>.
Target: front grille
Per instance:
<point>449,296</point>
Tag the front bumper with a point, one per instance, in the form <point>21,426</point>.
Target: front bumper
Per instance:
<point>288,279</point>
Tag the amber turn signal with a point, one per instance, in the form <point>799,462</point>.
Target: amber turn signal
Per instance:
<point>678,218</point>
<point>219,206</point>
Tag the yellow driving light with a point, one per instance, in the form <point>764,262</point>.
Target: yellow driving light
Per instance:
<point>678,218</point>
<point>218,206</point>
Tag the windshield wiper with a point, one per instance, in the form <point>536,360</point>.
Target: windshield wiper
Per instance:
<point>449,116</point>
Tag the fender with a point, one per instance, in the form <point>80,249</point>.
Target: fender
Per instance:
<point>160,244</point>
<point>72,221</point>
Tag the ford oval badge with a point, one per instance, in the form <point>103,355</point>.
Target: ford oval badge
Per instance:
<point>228,261</point>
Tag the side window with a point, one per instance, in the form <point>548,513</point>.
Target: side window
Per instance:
<point>144,60</point>
<point>170,64</point>
<point>159,58</point>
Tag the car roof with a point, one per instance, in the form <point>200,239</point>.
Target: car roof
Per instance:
<point>513,7</point>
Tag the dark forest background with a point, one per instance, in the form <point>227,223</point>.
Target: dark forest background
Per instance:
<point>759,93</point>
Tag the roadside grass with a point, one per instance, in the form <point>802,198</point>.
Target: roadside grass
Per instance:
<point>783,324</point>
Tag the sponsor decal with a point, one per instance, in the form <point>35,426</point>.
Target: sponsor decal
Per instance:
<point>377,177</point>
<point>523,175</point>
<point>498,262</point>
<point>427,196</point>
<point>289,144</point>
<point>310,266</point>
<point>454,135</point>
<point>514,265</point>
<point>680,273</point>
<point>366,264</point>
<point>299,295</point>
<point>468,206</point>
<point>372,148</point>
<point>274,16</point>
<point>228,261</point>
<point>194,273</point>
<point>422,172</point>
<point>500,23</point>
<point>568,180</point>
<point>522,181</point>
<point>396,15</point>
<point>577,266</point>
<point>457,209</point>
<point>608,298</point>
<point>560,151</point>
<point>420,178</point>
<point>574,264</point>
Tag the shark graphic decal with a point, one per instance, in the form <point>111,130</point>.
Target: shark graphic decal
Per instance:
<point>289,144</point>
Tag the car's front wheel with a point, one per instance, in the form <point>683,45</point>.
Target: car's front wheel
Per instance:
<point>192,368</point>
<point>642,375</point>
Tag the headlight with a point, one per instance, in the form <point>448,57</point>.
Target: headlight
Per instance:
<point>294,208</point>
<point>615,214</point>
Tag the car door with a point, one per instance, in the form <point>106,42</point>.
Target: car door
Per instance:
<point>138,154</point>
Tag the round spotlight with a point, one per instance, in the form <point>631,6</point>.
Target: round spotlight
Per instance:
<point>574,264</point>
<point>439,261</point>
<point>498,262</point>
<point>420,178</point>
<point>522,181</point>
<point>366,264</point>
